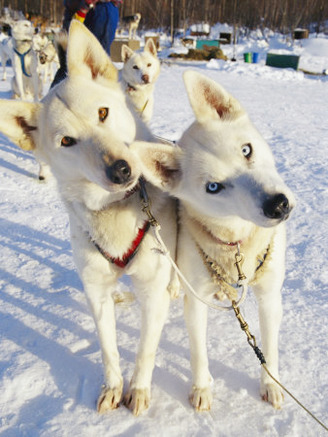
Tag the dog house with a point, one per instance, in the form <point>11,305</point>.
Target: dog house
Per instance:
<point>225,37</point>
<point>301,34</point>
<point>155,38</point>
<point>116,48</point>
<point>282,61</point>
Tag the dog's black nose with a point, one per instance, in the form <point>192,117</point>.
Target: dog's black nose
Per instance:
<point>277,207</point>
<point>119,172</point>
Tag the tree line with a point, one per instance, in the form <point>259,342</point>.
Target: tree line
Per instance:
<point>279,15</point>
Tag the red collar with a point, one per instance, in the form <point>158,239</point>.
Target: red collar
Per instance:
<point>122,262</point>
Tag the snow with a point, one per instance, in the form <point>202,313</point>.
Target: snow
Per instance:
<point>50,363</point>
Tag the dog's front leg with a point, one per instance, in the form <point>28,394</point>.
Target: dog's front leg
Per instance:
<point>36,79</point>
<point>18,75</point>
<point>101,303</point>
<point>155,299</point>
<point>99,281</point>
<point>268,294</point>
<point>196,322</point>
<point>3,64</point>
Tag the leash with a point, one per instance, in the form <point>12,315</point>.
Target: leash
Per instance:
<point>22,61</point>
<point>252,342</point>
<point>146,207</point>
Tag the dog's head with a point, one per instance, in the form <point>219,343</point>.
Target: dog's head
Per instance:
<point>39,42</point>
<point>223,167</point>
<point>140,68</point>
<point>83,127</point>
<point>22,30</point>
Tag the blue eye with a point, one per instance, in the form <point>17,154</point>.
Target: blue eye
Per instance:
<point>247,150</point>
<point>214,187</point>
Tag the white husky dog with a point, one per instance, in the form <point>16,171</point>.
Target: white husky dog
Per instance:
<point>232,199</point>
<point>83,129</point>
<point>26,83</point>
<point>138,76</point>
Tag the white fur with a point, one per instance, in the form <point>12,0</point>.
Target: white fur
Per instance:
<point>23,87</point>
<point>139,74</point>
<point>97,205</point>
<point>213,150</point>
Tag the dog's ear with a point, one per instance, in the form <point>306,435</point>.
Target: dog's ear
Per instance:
<point>160,163</point>
<point>151,47</point>
<point>86,56</point>
<point>126,53</point>
<point>18,120</point>
<point>209,100</point>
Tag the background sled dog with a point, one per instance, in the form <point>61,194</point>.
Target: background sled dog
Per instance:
<point>231,196</point>
<point>26,82</point>
<point>82,129</point>
<point>139,74</point>
<point>132,22</point>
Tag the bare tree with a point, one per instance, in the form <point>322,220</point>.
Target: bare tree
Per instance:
<point>282,15</point>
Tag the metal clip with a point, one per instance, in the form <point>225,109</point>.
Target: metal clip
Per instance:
<point>239,257</point>
<point>244,326</point>
<point>145,202</point>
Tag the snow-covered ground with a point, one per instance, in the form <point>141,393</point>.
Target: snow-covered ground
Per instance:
<point>50,363</point>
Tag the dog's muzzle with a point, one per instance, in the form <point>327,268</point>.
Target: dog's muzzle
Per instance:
<point>145,78</point>
<point>43,58</point>
<point>119,172</point>
<point>277,207</point>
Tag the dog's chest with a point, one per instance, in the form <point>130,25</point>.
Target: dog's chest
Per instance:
<point>224,259</point>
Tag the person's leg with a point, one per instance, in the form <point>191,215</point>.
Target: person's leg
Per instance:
<point>102,21</point>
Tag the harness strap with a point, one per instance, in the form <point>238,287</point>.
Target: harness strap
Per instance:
<point>127,257</point>
<point>22,61</point>
<point>130,89</point>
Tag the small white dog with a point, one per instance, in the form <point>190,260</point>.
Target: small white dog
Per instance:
<point>26,83</point>
<point>232,201</point>
<point>138,76</point>
<point>83,129</point>
<point>48,63</point>
<point>47,57</point>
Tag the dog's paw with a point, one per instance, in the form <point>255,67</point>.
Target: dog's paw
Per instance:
<point>201,398</point>
<point>273,394</point>
<point>109,399</point>
<point>174,287</point>
<point>137,400</point>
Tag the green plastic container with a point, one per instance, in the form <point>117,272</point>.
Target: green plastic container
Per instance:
<point>248,57</point>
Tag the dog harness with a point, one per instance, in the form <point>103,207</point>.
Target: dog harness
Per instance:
<point>127,257</point>
<point>22,61</point>
<point>131,89</point>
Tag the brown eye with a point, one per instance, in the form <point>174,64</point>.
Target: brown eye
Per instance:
<point>136,67</point>
<point>103,114</point>
<point>68,142</point>
<point>148,65</point>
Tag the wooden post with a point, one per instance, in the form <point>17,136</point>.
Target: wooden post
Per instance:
<point>172,22</point>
